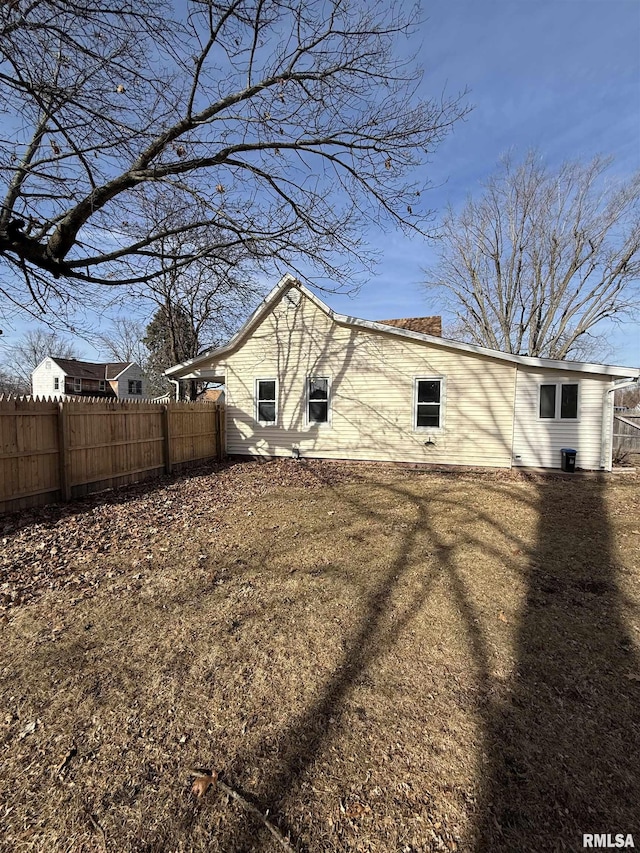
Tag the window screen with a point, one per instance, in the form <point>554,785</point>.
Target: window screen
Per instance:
<point>547,401</point>
<point>428,403</point>
<point>267,401</point>
<point>318,400</point>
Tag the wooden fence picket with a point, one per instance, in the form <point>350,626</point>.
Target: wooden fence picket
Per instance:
<point>58,450</point>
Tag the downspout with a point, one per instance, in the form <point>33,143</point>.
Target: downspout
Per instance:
<point>606,456</point>
<point>176,382</point>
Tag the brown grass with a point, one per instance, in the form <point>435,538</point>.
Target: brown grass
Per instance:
<point>387,660</point>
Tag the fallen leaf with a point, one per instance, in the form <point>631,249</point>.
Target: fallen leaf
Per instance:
<point>502,617</point>
<point>633,676</point>
<point>29,729</point>
<point>203,782</point>
<point>65,761</point>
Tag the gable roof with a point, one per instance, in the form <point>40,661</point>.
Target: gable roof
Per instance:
<point>425,325</point>
<point>90,369</point>
<point>288,281</point>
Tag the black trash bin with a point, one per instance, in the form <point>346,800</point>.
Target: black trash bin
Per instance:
<point>568,459</point>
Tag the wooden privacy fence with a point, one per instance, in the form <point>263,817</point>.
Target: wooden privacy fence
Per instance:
<point>51,451</point>
<point>626,434</point>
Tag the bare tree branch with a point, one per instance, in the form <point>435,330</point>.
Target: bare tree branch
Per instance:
<point>542,257</point>
<point>287,125</point>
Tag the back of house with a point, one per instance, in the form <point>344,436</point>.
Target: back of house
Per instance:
<point>301,380</point>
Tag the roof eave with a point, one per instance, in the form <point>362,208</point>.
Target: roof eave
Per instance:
<point>180,371</point>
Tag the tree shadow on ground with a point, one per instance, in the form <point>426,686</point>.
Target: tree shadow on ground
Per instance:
<point>563,736</point>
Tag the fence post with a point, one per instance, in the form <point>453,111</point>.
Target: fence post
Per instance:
<point>166,433</point>
<point>63,446</point>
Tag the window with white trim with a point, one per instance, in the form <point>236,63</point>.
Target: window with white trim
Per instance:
<point>266,400</point>
<point>103,384</point>
<point>317,399</point>
<point>77,385</point>
<point>558,401</point>
<point>135,386</point>
<point>428,396</point>
<point>56,383</point>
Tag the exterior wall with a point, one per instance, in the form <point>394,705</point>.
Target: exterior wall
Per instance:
<point>538,442</point>
<point>372,379</point>
<point>133,372</point>
<point>42,380</point>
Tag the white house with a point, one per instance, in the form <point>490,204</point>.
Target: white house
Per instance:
<point>301,379</point>
<point>68,377</point>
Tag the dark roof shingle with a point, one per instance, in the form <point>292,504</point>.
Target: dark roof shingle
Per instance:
<point>90,369</point>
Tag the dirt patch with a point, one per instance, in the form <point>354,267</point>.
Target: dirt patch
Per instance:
<point>384,659</point>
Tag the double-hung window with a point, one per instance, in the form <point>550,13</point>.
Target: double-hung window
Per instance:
<point>77,386</point>
<point>428,402</point>
<point>318,411</point>
<point>266,401</point>
<point>135,386</point>
<point>558,400</point>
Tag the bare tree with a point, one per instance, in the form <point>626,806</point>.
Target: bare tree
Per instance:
<point>536,263</point>
<point>279,127</point>
<point>123,341</point>
<point>24,356</point>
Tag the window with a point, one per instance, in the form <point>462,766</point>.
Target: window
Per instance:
<point>559,397</point>
<point>266,401</point>
<point>547,401</point>
<point>135,386</point>
<point>428,404</point>
<point>317,400</point>
<point>103,385</point>
<point>77,385</point>
<point>569,402</point>
<point>56,383</point>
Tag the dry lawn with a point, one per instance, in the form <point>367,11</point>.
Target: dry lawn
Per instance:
<point>385,659</point>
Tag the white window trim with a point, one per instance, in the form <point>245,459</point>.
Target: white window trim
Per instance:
<point>135,392</point>
<point>443,401</point>
<point>77,385</point>
<point>102,385</point>
<point>257,400</point>
<point>558,418</point>
<point>56,383</point>
<point>320,424</point>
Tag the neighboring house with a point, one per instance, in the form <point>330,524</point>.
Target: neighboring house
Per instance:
<point>68,377</point>
<point>301,379</point>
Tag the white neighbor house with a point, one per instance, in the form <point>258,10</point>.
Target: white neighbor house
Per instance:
<point>68,377</point>
<point>300,379</point>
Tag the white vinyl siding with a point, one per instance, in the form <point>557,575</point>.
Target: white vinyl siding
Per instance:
<point>43,380</point>
<point>371,394</point>
<point>538,441</point>
<point>122,386</point>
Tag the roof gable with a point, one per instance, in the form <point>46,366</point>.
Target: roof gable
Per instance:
<point>288,282</point>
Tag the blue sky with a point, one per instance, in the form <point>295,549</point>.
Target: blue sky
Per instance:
<point>559,75</point>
